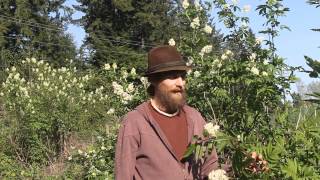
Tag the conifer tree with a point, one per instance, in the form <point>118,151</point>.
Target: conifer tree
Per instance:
<point>123,31</point>
<point>34,28</point>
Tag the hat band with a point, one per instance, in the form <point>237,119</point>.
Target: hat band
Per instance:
<point>165,65</point>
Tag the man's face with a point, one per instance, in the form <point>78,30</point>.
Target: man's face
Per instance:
<point>170,90</point>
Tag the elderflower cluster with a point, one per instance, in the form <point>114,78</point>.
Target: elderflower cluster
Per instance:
<point>218,174</point>
<point>205,50</point>
<point>211,129</point>
<point>195,23</point>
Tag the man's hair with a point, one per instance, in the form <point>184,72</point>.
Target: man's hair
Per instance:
<point>152,79</point>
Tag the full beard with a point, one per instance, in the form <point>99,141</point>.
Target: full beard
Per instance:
<point>172,100</point>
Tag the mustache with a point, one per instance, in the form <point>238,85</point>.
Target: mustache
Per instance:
<point>181,90</point>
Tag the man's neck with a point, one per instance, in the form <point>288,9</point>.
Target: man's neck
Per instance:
<point>160,108</point>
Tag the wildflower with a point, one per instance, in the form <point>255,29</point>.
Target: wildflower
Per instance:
<point>114,66</point>
<point>130,88</point>
<point>189,62</point>
<point>103,148</point>
<point>225,6</point>
<point>107,66</point>
<point>196,74</point>
<point>16,76</point>
<point>224,56</point>
<point>46,84</point>
<point>33,60</point>
<point>246,8</point>
<point>265,62</point>
<point>13,69</point>
<point>1,94</point>
<point>253,56</point>
<point>212,129</point>
<point>144,80</point>
<point>171,42</point>
<point>238,137</point>
<point>197,5</point>
<point>70,158</point>
<point>207,29</point>
<point>259,40</point>
<point>206,49</point>
<point>124,74</point>
<point>126,96</point>
<point>110,111</point>
<point>219,65</point>
<point>195,23</point>
<point>264,73</point>
<point>218,174</point>
<point>229,53</point>
<point>133,71</point>
<point>254,70</point>
<point>185,4</point>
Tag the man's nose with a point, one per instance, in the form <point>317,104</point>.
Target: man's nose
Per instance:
<point>180,81</point>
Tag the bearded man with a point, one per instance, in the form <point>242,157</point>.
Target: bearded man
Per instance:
<point>154,136</point>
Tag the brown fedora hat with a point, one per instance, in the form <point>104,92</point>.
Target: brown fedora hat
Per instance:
<point>165,58</point>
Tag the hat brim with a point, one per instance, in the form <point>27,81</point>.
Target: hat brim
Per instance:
<point>166,69</point>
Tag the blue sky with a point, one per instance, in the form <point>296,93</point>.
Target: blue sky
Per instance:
<point>292,45</point>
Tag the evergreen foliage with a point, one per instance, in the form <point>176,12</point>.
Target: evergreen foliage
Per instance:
<point>34,29</point>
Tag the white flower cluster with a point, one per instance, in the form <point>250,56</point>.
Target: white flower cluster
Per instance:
<point>207,29</point>
<point>172,42</point>
<point>58,86</point>
<point>218,174</point>
<point>195,23</point>
<point>185,4</point>
<point>205,50</point>
<point>211,129</point>
<point>227,54</point>
<point>125,95</point>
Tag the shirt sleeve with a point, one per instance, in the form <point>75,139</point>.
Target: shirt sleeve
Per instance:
<point>126,149</point>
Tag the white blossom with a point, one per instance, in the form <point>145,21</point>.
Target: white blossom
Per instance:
<point>196,74</point>
<point>114,66</point>
<point>218,174</point>
<point>195,23</point>
<point>70,158</point>
<point>133,71</point>
<point>197,5</point>
<point>110,111</point>
<point>259,40</point>
<point>33,60</point>
<point>206,49</point>
<point>185,4</point>
<point>130,88</point>
<point>254,70</point>
<point>1,94</point>
<point>103,148</point>
<point>13,69</point>
<point>224,56</point>
<point>107,66</point>
<point>264,73</point>
<point>229,53</point>
<point>253,56</point>
<point>207,29</point>
<point>265,62</point>
<point>171,42</point>
<point>246,8</point>
<point>212,129</point>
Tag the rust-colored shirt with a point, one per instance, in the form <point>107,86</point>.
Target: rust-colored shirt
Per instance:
<point>144,153</point>
<point>174,128</point>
